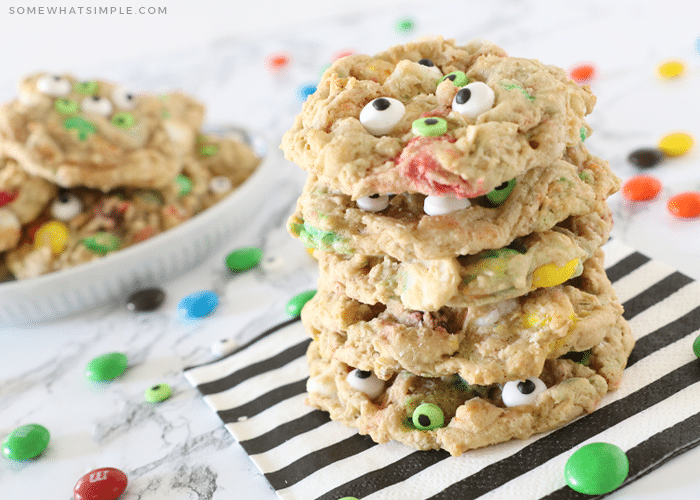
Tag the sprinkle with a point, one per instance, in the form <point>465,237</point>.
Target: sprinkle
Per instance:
<point>685,205</point>
<point>641,188</point>
<point>676,144</point>
<point>670,69</point>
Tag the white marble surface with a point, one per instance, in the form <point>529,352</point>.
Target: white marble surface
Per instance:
<point>179,449</point>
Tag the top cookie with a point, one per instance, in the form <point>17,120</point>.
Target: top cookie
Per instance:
<point>435,118</point>
<point>97,134</point>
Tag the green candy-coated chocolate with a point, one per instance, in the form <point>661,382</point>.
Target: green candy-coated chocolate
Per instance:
<point>243,259</point>
<point>83,127</point>
<point>106,367</point>
<point>296,303</point>
<point>87,88</point>
<point>184,185</point>
<point>158,393</point>
<point>101,242</point>
<point>66,106</point>
<point>405,25</point>
<point>428,416</point>
<point>208,150</point>
<point>696,346</point>
<point>582,133</point>
<point>431,126</point>
<point>123,120</point>
<point>313,237</point>
<point>458,78</point>
<point>596,469</point>
<point>26,442</point>
<point>501,193</point>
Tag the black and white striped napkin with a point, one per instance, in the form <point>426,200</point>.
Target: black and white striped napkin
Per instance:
<point>259,391</point>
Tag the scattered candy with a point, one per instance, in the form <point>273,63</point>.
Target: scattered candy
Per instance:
<point>366,382</point>
<point>276,62</point>
<point>243,259</point>
<point>582,73</point>
<point>87,88</point>
<point>685,205</point>
<point>198,304</point>
<point>429,127</point>
<point>306,90</point>
<point>106,483</point>
<point>645,158</point>
<point>223,347</point>
<point>53,85</point>
<point>53,234</point>
<point>550,275</point>
<point>676,144</point>
<point>596,469</point>
<point>473,99</point>
<point>696,346</point>
<point>428,416</point>
<point>670,69</point>
<point>641,188</point>
<point>501,193</point>
<point>373,203</point>
<point>66,106</point>
<point>441,205</point>
<point>145,300</point>
<point>457,77</point>
<point>522,392</point>
<point>82,127</point>
<point>102,242</point>
<point>96,105</point>
<point>405,25</point>
<point>144,234</point>
<point>26,442</point>
<point>381,115</point>
<point>184,185</point>
<point>158,393</point>
<point>66,206</point>
<point>123,120</point>
<point>106,367</point>
<point>296,303</point>
<point>8,197</point>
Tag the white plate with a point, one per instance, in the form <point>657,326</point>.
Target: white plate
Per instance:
<point>148,263</point>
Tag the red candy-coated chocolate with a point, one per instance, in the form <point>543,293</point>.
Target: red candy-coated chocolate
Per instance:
<point>685,205</point>
<point>276,62</point>
<point>106,483</point>
<point>582,73</point>
<point>641,188</point>
<point>8,197</point>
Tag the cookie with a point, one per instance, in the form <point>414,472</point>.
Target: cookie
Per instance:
<point>25,195</point>
<point>536,260</point>
<point>540,198</point>
<point>508,340</point>
<point>435,118</point>
<point>97,134</point>
<point>452,414</point>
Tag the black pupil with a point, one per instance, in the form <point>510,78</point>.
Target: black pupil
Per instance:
<point>463,95</point>
<point>56,77</point>
<point>129,97</point>
<point>155,387</point>
<point>381,104</point>
<point>120,119</point>
<point>426,62</point>
<point>502,186</point>
<point>63,197</point>
<point>526,387</point>
<point>362,374</point>
<point>95,98</point>
<point>430,121</point>
<point>374,196</point>
<point>424,420</point>
<point>452,77</point>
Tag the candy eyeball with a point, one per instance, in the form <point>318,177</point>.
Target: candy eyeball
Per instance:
<point>458,78</point>
<point>473,99</point>
<point>381,115</point>
<point>427,417</point>
<point>441,205</point>
<point>373,203</point>
<point>430,65</point>
<point>123,99</point>
<point>66,206</point>
<point>53,85</point>
<point>223,348</point>
<point>500,194</point>
<point>365,381</point>
<point>220,184</point>
<point>522,392</point>
<point>96,105</point>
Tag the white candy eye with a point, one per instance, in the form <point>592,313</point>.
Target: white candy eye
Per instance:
<point>223,347</point>
<point>381,115</point>
<point>522,392</point>
<point>66,206</point>
<point>374,203</point>
<point>430,65</point>
<point>220,184</point>
<point>441,205</point>
<point>474,99</point>
<point>96,105</point>
<point>53,85</point>
<point>366,382</point>
<point>123,98</point>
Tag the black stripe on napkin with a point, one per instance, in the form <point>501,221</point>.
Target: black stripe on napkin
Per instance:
<point>624,267</point>
<point>655,294</point>
<point>285,432</point>
<point>263,402</point>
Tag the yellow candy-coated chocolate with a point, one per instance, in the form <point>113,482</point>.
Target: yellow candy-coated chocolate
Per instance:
<point>533,319</point>
<point>551,275</point>
<point>671,69</point>
<point>675,144</point>
<point>53,234</point>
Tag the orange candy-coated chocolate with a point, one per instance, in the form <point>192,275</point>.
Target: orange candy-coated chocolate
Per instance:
<point>685,205</point>
<point>641,188</point>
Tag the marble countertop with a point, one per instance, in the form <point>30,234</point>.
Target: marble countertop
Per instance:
<point>179,449</point>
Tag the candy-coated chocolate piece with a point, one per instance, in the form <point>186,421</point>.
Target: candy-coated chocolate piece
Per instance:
<point>671,68</point>
<point>428,416</point>
<point>82,127</point>
<point>223,347</point>
<point>66,206</point>
<point>342,53</point>
<point>551,275</point>
<point>106,367</point>
<point>208,150</point>
<point>157,393</point>
<point>105,483</point>
<point>501,193</point>
<point>373,203</point>
<point>296,303</point>
<point>198,304</point>
<point>441,205</point>
<point>53,234</point>
<point>123,120</point>
<point>184,185</point>
<point>366,382</point>
<point>276,62</point>
<point>473,99</point>
<point>696,346</point>
<point>405,25</point>
<point>26,442</point>
<point>381,115</point>
<point>53,85</point>
<point>641,188</point>
<point>87,88</point>
<point>430,127</point>
<point>306,90</point>
<point>685,205</point>
<point>145,300</point>
<point>102,242</point>
<point>243,259</point>
<point>8,197</point>
<point>582,73</point>
<point>645,158</point>
<point>522,392</point>
<point>676,144</point>
<point>457,77</point>
<point>66,106</point>
<point>596,469</point>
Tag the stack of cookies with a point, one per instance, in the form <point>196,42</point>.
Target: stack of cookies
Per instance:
<point>457,219</point>
<point>88,168</point>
